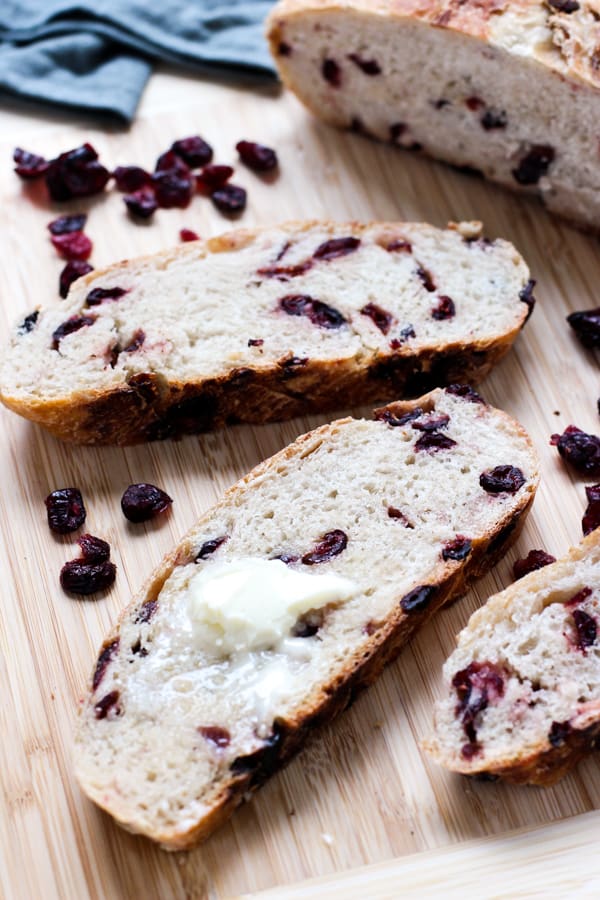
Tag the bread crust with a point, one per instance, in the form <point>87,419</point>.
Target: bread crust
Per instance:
<point>362,668</point>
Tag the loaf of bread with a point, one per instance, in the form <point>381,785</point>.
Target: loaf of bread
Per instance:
<point>340,546</point>
<point>509,89</point>
<point>522,689</point>
<point>255,326</point>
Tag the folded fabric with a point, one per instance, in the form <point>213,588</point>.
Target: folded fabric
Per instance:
<point>99,56</point>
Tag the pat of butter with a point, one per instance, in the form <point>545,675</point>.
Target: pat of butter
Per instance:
<point>252,604</point>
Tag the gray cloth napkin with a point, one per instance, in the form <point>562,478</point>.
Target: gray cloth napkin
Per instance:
<point>98,55</point>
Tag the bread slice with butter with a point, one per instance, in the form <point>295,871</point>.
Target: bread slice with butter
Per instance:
<point>287,598</point>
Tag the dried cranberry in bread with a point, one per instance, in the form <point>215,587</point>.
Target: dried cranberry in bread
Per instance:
<point>184,714</point>
<point>509,89</point>
<point>255,326</point>
<point>523,686</point>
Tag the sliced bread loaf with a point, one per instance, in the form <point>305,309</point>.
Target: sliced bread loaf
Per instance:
<point>262,325</point>
<point>339,547</point>
<point>510,89</point>
<point>523,686</point>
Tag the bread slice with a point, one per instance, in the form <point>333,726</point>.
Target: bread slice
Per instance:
<point>523,686</point>
<point>179,722</point>
<point>509,89</point>
<point>255,326</point>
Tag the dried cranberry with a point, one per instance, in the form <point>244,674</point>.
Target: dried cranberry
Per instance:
<point>131,178</point>
<point>93,549</point>
<point>431,422</point>
<point>426,278</point>
<point>209,547</point>
<point>368,66</point>
<point>317,312</point>
<point>526,296</point>
<point>216,735</point>
<point>534,164</point>
<point>394,513</point>
<point>579,597</point>
<point>66,224</point>
<point>172,189</point>
<point>578,449</point>
<point>229,199</point>
<point>76,173</point>
<point>255,342</point>
<point>470,750</point>
<point>591,518</point>
<point>29,165</point>
<point>193,150</point>
<point>66,511</point>
<point>336,247</point>
<point>379,316</point>
<point>256,156</point>
<point>97,296</point>
<point>559,732</point>
<point>72,245</point>
<point>146,611</point>
<point>284,49</point>
<point>73,270</point>
<point>284,273</point>
<point>457,549</point>
<point>480,684</point>
<point>445,309</point>
<point>141,203</point>
<point>71,325</point>
<point>586,628</point>
<point>137,339</point>
<point>79,577</point>
<point>399,245</point>
<point>213,177</point>
<point>106,704</point>
<point>418,599</point>
<point>331,72</point>
<point>331,544</point>
<point>292,365</point>
<point>28,323</point>
<point>502,479</point>
<point>586,325</point>
<point>474,103</point>
<point>171,162</point>
<point>103,661</point>
<point>492,119</point>
<point>405,334</point>
<point>141,502</point>
<point>434,441</point>
<point>466,392</point>
<point>564,6</point>
<point>535,559</point>
<point>388,416</point>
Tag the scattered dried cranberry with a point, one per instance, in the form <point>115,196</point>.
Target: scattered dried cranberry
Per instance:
<point>255,342</point>
<point>106,704</point>
<point>213,177</point>
<point>502,479</point>
<point>79,577</point>
<point>76,173</point>
<point>292,366</point>
<point>193,150</point>
<point>535,164</point>
<point>146,611</point>
<point>445,309</point>
<point>426,278</point>
<point>131,178</point>
<point>526,296</point>
<point>284,273</point>
<point>559,732</point>
<point>66,511</point>
<point>535,559</point>
<point>93,549</point>
<point>399,246</point>
<point>386,415</point>
<point>591,518</point>
<point>171,162</point>
<point>405,334</point>
<point>318,313</point>
<point>431,422</point>
<point>474,103</point>
<point>434,441</point>
<point>141,203</point>
<point>256,156</point>
<point>480,684</point>
<point>66,224</point>
<point>209,547</point>
<point>216,735</point>
<point>586,628</point>
<point>368,66</point>
<point>137,340</point>
<point>141,502</point>
<point>394,513</point>
<point>418,599</point>
<point>564,6</point>
<point>492,119</point>
<point>229,199</point>
<point>466,392</point>
<point>331,72</point>
<point>331,544</point>
<point>379,316</point>
<point>29,165</point>
<point>28,323</point>
<point>68,327</point>
<point>172,189</point>
<point>586,325</point>
<point>457,549</point>
<point>579,597</point>
<point>73,270</point>
<point>336,247</point>
<point>104,659</point>
<point>186,235</point>
<point>578,449</point>
<point>97,296</point>
<point>72,245</point>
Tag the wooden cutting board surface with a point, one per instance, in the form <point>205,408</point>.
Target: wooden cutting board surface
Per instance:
<point>361,792</point>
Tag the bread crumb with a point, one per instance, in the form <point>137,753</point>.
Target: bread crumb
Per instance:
<point>468,230</point>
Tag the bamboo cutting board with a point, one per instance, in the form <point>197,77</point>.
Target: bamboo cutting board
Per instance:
<point>361,794</point>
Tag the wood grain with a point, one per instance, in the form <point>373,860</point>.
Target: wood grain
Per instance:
<point>361,793</point>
